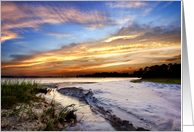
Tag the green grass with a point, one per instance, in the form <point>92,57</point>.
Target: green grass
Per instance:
<point>14,91</point>
<point>55,118</point>
<point>160,80</point>
<point>23,95</point>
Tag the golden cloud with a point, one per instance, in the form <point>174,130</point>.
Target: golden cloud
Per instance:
<point>123,37</point>
<point>61,64</point>
<point>8,35</point>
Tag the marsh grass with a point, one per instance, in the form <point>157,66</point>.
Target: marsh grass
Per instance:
<point>160,80</point>
<point>53,119</point>
<point>20,99</point>
<point>14,91</point>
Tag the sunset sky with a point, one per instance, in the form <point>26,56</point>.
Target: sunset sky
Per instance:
<point>70,38</point>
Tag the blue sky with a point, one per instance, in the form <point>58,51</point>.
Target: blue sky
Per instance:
<point>75,34</point>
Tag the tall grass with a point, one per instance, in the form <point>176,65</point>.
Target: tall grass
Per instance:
<point>15,91</point>
<point>55,118</point>
<point>23,93</point>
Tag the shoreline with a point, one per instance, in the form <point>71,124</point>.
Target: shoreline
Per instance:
<point>86,91</point>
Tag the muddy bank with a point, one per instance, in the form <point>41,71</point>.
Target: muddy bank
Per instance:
<point>95,104</point>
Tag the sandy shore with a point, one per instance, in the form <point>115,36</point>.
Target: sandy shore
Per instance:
<point>152,106</point>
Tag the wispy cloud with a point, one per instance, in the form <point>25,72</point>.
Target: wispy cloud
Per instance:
<point>22,43</point>
<point>167,4</point>
<point>150,8</point>
<point>6,35</point>
<point>79,57</point>
<point>129,45</point>
<point>127,4</point>
<point>59,34</point>
<point>122,37</point>
<point>100,25</point>
<point>146,34</point>
<point>32,16</point>
<point>146,11</point>
<point>77,62</point>
<point>177,57</point>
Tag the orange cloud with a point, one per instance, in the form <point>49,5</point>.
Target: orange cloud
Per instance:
<point>129,68</point>
<point>8,35</point>
<point>44,63</point>
<point>94,56</point>
<point>177,57</point>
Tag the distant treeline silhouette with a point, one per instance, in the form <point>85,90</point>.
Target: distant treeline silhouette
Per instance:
<point>156,71</point>
<point>160,71</point>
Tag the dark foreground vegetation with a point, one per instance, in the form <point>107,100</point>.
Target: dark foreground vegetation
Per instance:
<point>23,109</point>
<point>13,92</point>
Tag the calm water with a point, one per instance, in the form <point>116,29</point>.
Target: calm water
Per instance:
<point>60,80</point>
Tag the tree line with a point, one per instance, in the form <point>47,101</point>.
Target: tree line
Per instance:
<point>160,71</point>
<point>156,71</point>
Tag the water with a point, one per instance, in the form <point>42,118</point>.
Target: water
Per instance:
<point>69,80</point>
<point>87,119</point>
<point>152,106</point>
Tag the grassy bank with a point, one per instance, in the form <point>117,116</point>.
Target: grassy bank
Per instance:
<point>160,80</point>
<point>23,109</point>
<point>14,92</point>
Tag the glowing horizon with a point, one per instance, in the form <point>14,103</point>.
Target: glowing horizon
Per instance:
<point>71,38</point>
